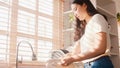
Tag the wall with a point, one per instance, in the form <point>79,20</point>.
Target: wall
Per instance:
<point>117,5</point>
<point>67,5</point>
<point>118,10</point>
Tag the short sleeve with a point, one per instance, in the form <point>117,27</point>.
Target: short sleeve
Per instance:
<point>100,24</point>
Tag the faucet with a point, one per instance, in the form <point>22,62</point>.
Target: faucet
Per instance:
<point>33,54</point>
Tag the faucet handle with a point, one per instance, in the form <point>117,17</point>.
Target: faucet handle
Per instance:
<point>34,57</point>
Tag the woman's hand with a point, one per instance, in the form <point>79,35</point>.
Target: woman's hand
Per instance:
<point>67,60</point>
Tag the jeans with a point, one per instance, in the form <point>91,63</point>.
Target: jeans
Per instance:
<point>102,62</point>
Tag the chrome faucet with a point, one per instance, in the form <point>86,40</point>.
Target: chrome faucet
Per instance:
<point>33,54</point>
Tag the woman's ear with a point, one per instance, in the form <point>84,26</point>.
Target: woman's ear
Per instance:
<point>84,6</point>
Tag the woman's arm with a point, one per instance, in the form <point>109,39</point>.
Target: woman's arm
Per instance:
<point>98,48</point>
<point>76,49</point>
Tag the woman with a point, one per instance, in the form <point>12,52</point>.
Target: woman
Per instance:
<point>91,36</point>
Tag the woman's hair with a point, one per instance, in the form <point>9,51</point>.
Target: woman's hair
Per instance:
<point>80,25</point>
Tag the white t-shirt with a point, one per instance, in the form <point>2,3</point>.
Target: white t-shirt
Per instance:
<point>95,25</point>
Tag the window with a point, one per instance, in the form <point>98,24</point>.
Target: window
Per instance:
<point>26,22</point>
<point>31,4</point>
<point>25,52</point>
<point>4,47</point>
<point>4,30</point>
<point>5,1</point>
<point>44,48</point>
<point>34,21</point>
<point>4,18</point>
<point>45,27</point>
<point>46,6</point>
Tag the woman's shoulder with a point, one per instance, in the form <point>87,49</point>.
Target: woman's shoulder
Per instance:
<point>100,20</point>
<point>98,16</point>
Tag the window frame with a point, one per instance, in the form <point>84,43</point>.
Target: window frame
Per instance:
<point>57,17</point>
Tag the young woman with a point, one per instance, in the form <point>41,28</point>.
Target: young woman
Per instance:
<point>91,36</point>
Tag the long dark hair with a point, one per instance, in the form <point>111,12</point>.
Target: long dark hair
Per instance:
<point>80,25</point>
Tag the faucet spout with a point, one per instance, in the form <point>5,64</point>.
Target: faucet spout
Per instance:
<point>33,54</point>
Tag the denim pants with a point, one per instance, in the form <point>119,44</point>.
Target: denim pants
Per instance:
<point>103,62</point>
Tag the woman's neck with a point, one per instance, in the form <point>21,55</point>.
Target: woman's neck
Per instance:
<point>87,18</point>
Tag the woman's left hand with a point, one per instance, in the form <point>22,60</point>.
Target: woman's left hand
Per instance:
<point>67,60</point>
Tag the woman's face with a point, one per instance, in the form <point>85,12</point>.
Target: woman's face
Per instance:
<point>79,11</point>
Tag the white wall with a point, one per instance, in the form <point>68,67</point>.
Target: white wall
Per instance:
<point>117,5</point>
<point>118,10</point>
